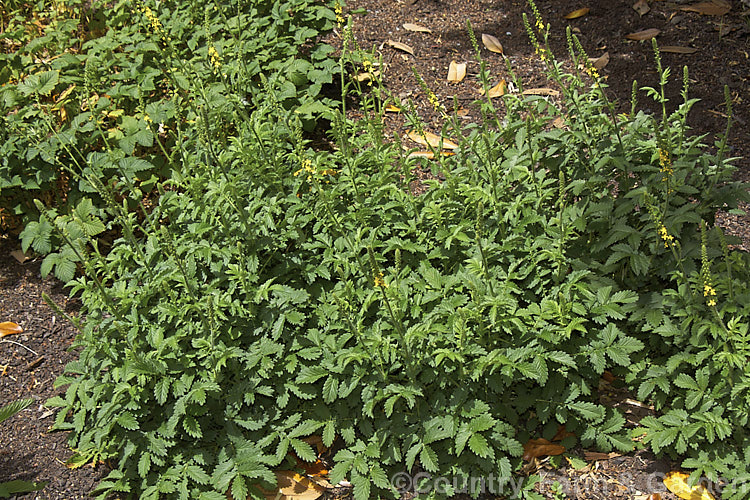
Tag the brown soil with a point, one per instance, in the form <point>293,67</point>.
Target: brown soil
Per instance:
<point>28,368</point>
<point>28,451</point>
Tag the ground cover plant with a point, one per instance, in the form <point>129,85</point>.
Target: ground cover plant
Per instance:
<point>109,78</point>
<point>275,292</point>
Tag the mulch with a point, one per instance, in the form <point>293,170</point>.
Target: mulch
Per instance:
<point>30,364</point>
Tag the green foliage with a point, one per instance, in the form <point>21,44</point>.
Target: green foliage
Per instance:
<point>11,409</point>
<point>10,488</point>
<point>275,292</point>
<point>86,93</point>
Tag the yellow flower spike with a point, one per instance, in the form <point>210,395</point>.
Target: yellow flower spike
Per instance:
<point>214,58</point>
<point>665,161</point>
<point>668,238</point>
<point>339,10</point>
<point>379,282</point>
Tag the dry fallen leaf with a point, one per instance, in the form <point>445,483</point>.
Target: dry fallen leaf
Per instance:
<point>456,71</point>
<point>577,13</point>
<point>416,27</point>
<point>19,256</point>
<point>365,76</point>
<point>400,46</point>
<point>317,468</point>
<point>676,482</point>
<point>492,43</point>
<point>675,49</point>
<point>646,34</point>
<point>641,7</point>
<point>498,90</point>
<point>601,61</point>
<point>539,448</point>
<point>595,455</point>
<point>392,109</point>
<point>562,433</point>
<point>430,139</point>
<point>9,328</point>
<point>712,8</point>
<point>429,154</point>
<point>541,91</point>
<point>558,122</point>
<point>293,486</point>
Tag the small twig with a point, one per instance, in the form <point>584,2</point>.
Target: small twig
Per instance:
<point>21,345</point>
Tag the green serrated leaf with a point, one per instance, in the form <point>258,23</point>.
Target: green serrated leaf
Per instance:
<point>303,450</point>
<point>428,458</point>
<point>379,477</point>
<point>587,410</point>
<point>329,434</point>
<point>127,421</point>
<point>479,446</point>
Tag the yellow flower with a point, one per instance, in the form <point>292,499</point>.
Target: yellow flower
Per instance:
<point>380,282</point>
<point>665,161</point>
<point>152,19</point>
<point>433,100</point>
<point>668,238</point>
<point>213,56</point>
<point>542,53</point>
<point>339,10</point>
<point>711,303</point>
<point>708,290</point>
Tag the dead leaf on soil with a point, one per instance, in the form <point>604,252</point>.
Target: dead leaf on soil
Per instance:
<point>646,34</point>
<point>652,496</point>
<point>595,455</point>
<point>392,109</point>
<point>492,43</point>
<point>430,139</point>
<point>562,432</point>
<point>429,154</point>
<point>365,76</point>
<point>600,62</point>
<point>416,27</point>
<point>676,482</point>
<point>577,13</point>
<point>293,486</point>
<point>558,122</point>
<point>498,90</point>
<point>541,447</point>
<point>456,72</point>
<point>676,49</point>
<point>400,46</point>
<point>9,328</point>
<point>542,91</point>
<point>20,256</point>
<point>712,8</point>
<point>641,7</point>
